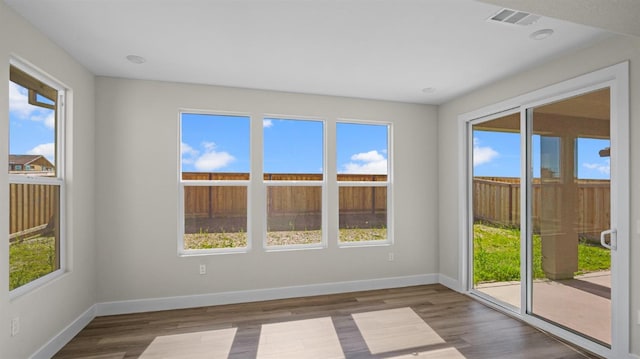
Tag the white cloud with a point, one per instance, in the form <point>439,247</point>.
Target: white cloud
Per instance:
<point>371,162</point>
<point>185,149</point>
<point>267,123</point>
<point>19,101</point>
<point>210,159</point>
<point>49,119</point>
<point>209,146</point>
<point>604,168</point>
<point>213,160</point>
<point>189,153</point>
<point>371,156</point>
<point>47,150</point>
<point>19,105</point>
<point>482,155</point>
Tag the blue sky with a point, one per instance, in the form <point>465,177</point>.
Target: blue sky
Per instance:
<point>498,154</point>
<point>362,148</point>
<point>31,128</point>
<point>292,146</point>
<point>216,143</point>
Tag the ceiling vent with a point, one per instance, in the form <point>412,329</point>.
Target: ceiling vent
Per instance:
<point>508,16</point>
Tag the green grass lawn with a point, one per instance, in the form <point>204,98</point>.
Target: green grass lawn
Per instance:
<point>30,260</point>
<point>497,255</point>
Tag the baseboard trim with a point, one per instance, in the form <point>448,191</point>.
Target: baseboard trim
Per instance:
<point>245,296</point>
<point>61,339</point>
<point>449,282</point>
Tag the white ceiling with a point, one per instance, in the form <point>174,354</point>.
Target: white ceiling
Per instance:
<point>621,16</point>
<point>377,49</point>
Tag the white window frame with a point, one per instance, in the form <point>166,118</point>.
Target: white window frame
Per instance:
<point>211,183</point>
<point>58,180</point>
<point>322,184</point>
<point>388,184</point>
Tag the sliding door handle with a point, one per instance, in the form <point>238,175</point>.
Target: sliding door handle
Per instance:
<point>612,242</point>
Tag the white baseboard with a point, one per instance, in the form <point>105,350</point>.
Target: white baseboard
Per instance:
<point>56,343</point>
<point>449,282</point>
<point>203,300</point>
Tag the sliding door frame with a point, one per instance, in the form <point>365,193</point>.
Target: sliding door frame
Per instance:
<point>470,214</point>
<point>616,78</point>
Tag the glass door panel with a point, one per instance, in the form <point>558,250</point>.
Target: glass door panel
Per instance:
<point>496,209</point>
<point>571,206</point>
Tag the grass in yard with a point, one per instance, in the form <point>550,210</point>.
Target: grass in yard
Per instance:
<point>362,234</point>
<point>497,255</point>
<point>31,259</point>
<point>592,258</point>
<point>285,238</point>
<point>206,240</point>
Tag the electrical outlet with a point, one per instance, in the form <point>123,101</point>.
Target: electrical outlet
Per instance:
<point>390,257</point>
<point>203,269</point>
<point>15,326</point>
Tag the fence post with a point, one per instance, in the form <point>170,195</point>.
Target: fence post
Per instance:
<point>210,206</point>
<point>510,206</point>
<point>373,197</point>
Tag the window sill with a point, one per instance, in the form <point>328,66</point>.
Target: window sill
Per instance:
<point>212,252</point>
<point>364,244</point>
<point>36,284</point>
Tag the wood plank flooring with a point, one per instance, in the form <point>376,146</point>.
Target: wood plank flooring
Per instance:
<point>428,321</point>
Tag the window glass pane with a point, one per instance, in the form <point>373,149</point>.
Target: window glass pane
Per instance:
<point>363,214</point>
<point>593,158</point>
<point>32,126</point>
<point>34,235</point>
<point>362,156</point>
<point>294,215</point>
<point>293,149</point>
<point>362,152</point>
<point>214,144</point>
<point>496,192</point>
<point>215,217</point>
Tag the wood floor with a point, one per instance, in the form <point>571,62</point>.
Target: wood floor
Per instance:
<point>424,321</point>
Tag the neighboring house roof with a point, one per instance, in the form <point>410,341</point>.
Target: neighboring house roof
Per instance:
<point>25,159</point>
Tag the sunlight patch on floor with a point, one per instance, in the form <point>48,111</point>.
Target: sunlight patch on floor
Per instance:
<point>311,338</point>
<point>208,344</point>
<point>395,329</point>
<point>447,353</point>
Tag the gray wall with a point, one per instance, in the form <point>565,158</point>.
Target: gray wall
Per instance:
<point>137,194</point>
<point>44,312</point>
<point>606,53</point>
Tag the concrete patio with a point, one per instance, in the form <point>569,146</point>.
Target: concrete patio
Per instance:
<point>582,304</point>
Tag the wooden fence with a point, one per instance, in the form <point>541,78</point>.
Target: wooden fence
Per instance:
<point>497,200</point>
<point>32,208</point>
<point>215,201</point>
<point>285,204</point>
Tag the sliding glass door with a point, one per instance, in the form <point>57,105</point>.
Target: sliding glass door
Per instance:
<point>570,207</point>
<point>548,209</point>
